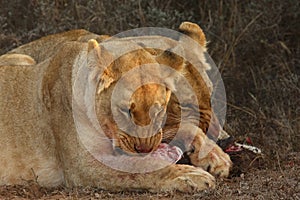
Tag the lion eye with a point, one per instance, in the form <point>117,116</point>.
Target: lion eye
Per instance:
<point>192,150</point>
<point>125,111</point>
<point>119,151</point>
<point>159,107</point>
<point>129,112</point>
<point>160,110</point>
<point>132,106</point>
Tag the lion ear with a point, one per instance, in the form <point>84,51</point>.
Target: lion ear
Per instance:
<point>194,31</point>
<point>171,59</point>
<point>106,79</point>
<point>94,52</point>
<point>98,55</point>
<point>100,59</point>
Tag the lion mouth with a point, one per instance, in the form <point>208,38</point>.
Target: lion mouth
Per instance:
<point>167,152</point>
<point>163,151</point>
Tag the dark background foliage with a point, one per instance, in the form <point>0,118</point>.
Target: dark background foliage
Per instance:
<point>255,45</point>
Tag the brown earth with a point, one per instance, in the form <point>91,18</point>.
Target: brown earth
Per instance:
<point>256,47</point>
<point>256,184</point>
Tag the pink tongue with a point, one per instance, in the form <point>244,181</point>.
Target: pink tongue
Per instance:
<point>168,153</point>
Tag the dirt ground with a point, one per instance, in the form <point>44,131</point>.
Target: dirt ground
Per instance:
<point>255,184</point>
<point>255,45</point>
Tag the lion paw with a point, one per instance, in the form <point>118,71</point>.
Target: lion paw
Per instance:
<point>186,178</point>
<point>210,157</point>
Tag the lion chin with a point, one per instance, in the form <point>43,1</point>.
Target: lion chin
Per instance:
<point>57,91</point>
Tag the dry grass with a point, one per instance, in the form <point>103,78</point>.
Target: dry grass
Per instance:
<point>255,44</point>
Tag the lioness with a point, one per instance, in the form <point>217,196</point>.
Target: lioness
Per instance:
<point>51,101</point>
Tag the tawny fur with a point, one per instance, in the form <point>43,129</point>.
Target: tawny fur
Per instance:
<point>39,140</point>
<point>16,59</point>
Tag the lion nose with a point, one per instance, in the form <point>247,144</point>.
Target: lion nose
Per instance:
<point>143,148</point>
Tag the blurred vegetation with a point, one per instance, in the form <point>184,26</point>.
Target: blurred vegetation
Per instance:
<point>255,44</point>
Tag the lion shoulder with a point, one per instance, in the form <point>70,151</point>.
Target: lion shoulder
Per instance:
<point>16,59</point>
<point>45,47</point>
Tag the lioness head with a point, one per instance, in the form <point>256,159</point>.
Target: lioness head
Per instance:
<point>130,108</point>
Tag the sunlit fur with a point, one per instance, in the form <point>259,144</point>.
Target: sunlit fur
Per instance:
<point>16,59</point>
<point>39,138</point>
<point>151,95</point>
